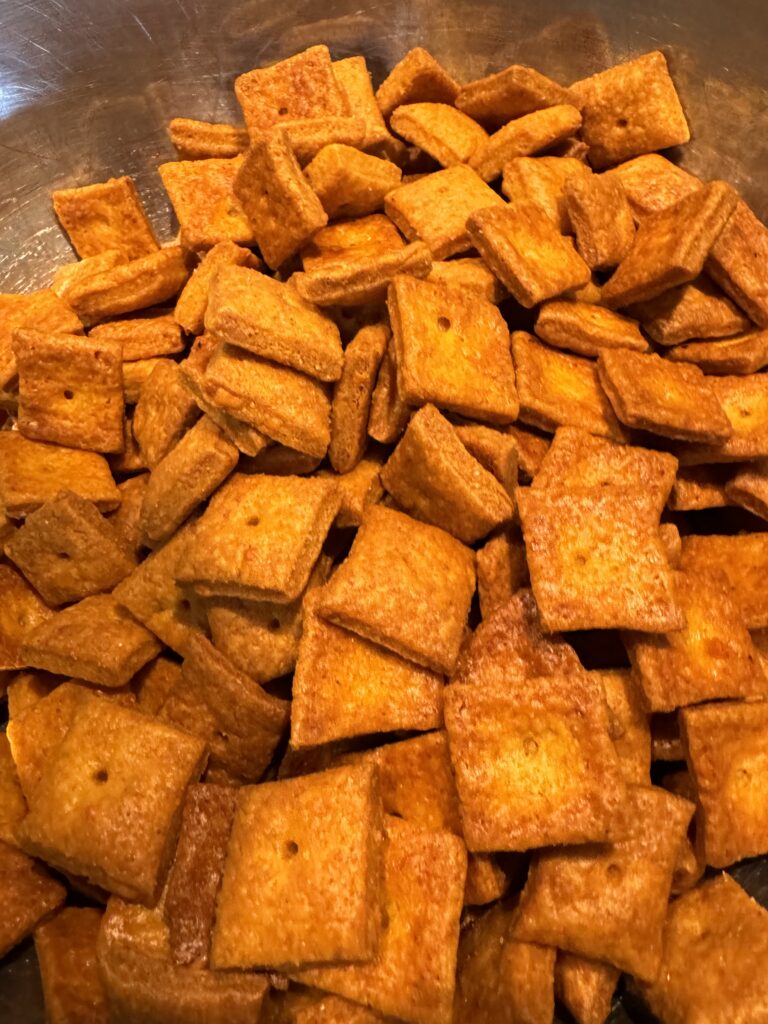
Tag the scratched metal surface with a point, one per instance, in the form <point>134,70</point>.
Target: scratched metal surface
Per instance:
<point>86,87</point>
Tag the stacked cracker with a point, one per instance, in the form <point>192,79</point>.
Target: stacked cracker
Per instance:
<point>198,433</point>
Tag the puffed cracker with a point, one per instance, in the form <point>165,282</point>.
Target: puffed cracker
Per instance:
<point>192,304</point>
<point>67,276</point>
<point>599,213</point>
<point>444,133</point>
<point>508,94</point>
<point>362,282</point>
<point>107,215</point>
<point>416,78</point>
<point>653,183</point>
<point>142,337</point>
<point>470,273</point>
<point>349,183</point>
<point>351,241</point>
<point>352,397</point>
<point>354,80</point>
<point>203,140</point>
<point>541,180</point>
<point>206,207</point>
<point>744,354</point>
<point>524,136</point>
<point>135,376</point>
<point>587,329</point>
<point>695,310</point>
<point>744,560</point>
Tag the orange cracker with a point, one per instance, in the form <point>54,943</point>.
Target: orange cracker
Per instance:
<point>695,310</point>
<point>525,755</point>
<point>495,450</point>
<point>70,390</point>
<point>737,260</point>
<point>531,449</point>
<point>630,109</point>
<point>354,80</point>
<point>68,551</point>
<point>164,412</point>
<point>39,311</point>
<point>351,241</point>
<point>32,473</point>
<point>412,976</point>
<point>596,559</point>
<point>508,94</point>
<point>726,747</point>
<point>446,134</point>
<point>502,569</point>
<point>470,273</point>
<point>653,183</point>
<point>557,389</point>
<point>585,987</point>
<point>154,683</point>
<point>389,412</point>
<point>486,881</point>
<point>364,281</point>
<point>541,180</point>
<point>432,476</point>
<point>301,882</point>
<point>202,140</point>
<point>66,953</point>
<point>416,78</point>
<point>202,196</point>
<point>115,765</point>
<point>650,393</point>
<point>510,646</point>
<point>608,901</point>
<point>587,329</point>
<point>698,487</point>
<point>599,213</point>
<point>435,208</point>
<point>349,183</point>
<point>30,895</point>
<point>135,376</point>
<point>749,488</point>
<point>358,489</point>
<point>524,136</point>
<point>192,304</point>
<point>526,252</point>
<point>745,402</point>
<point>308,136</point>
<point>142,337</point>
<point>108,215</point>
<point>670,246</point>
<point>95,640</point>
<point>21,611</point>
<point>277,199</point>
<point>352,397</point>
<point>629,726</point>
<point>451,350</point>
<point>416,607</point>
<point>500,980</point>
<point>744,354</point>
<point>13,806</point>
<point>259,537</point>
<point>70,274</point>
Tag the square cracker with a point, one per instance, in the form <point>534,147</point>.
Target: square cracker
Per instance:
<point>451,349</point>
<point>557,389</point>
<point>737,262</point>
<point>670,246</point>
<point>524,136</point>
<point>107,215</point>
<point>502,569</point>
<point>542,180</point>
<point>526,754</point>
<point>608,901</point>
<point>201,140</point>
<point>349,183</point>
<point>652,183</point>
<point>711,657</point>
<point>277,199</point>
<point>526,251</point>
<point>442,132</point>
<point>265,316</point>
<point>673,400</point>
<point>381,692</point>
<point>743,354</point>
<point>32,473</point>
<point>192,304</point>
<point>630,109</point>
<point>114,765</point>
<point>70,390</point>
<point>715,948</point>
<point>302,878</point>
<point>749,488</point>
<point>95,640</point>
<point>694,310</point>
<point>417,77</point>
<point>596,559</point>
<point>585,987</point>
<point>601,218</point>
<point>435,208</point>
<point>351,241</point>
<point>433,477</point>
<point>30,894</point>
<point>587,329</point>
<point>203,199</point>
<point>745,403</point>
<point>469,273</point>
<point>352,396</point>
<point>508,94</point>
<point>66,952</point>
<point>726,747</point>
<point>412,975</point>
<point>404,585</point>
<point>68,551</point>
<point>40,311</point>
<point>164,412</point>
<point>500,980</point>
<point>259,537</point>
<point>362,282</point>
<point>142,337</point>
<point>354,80</point>
<point>21,611</point>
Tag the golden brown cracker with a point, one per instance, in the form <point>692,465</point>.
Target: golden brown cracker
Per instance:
<point>358,489</point>
<point>748,487</point>
<point>495,450</point>
<point>107,215</point>
<point>601,218</point>
<point>629,726</point>
<point>744,354</point>
<point>389,412</point>
<point>652,183</point>
<point>745,402</point>
<point>135,376</point>
<point>154,682</point>
<point>192,304</point>
<point>508,94</point>
<point>13,806</point>
<point>695,310</point>
<point>502,569</point>
<point>541,180</point>
<point>30,895</point>
<point>524,136</point>
<point>126,519</point>
<point>66,952</point>
<point>470,273</point>
<point>349,183</point>
<point>142,337</point>
<point>447,135</point>
<point>203,199</point>
<point>352,397</point>
<point>67,276</point>
<point>531,449</point>
<point>351,241</point>
<point>585,987</point>
<point>21,611</point>
<point>362,282</point>
<point>40,311</point>
<point>164,412</point>
<point>416,78</point>
<point>353,78</point>
<point>698,487</point>
<point>203,140</point>
<point>587,329</point>
<point>737,260</point>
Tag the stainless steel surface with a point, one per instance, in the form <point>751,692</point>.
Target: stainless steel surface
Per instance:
<point>86,87</point>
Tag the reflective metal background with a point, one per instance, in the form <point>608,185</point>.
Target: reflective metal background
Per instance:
<point>86,87</point>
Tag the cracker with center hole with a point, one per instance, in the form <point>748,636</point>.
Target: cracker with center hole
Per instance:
<point>389,412</point>
<point>510,646</point>
<point>39,311</point>
<point>13,806</point>
<point>585,987</point>
<point>500,980</point>
<point>698,487</point>
<point>715,943</point>
<point>432,476</point>
<point>444,133</point>
<point>109,802</point>
<point>531,449</point>
<point>628,727</point>
<point>66,952</point>
<point>435,208</point>
<point>541,180</point>
<point>277,199</point>
<point>745,402</point>
<point>524,136</point>
<point>509,94</point>
<point>652,183</point>
<point>352,397</point>
<point>695,310</point>
<point>204,140</point>
<point>68,550</point>
<point>596,560</point>
<point>107,215</point>
<point>21,611</point>
<point>164,412</point>
<point>404,585</point>
<point>302,879</point>
<point>351,241</point>
<point>557,389</point>
<point>354,80</point>
<point>599,213</point>
<point>154,683</point>
<point>630,109</point>
<point>358,489</point>
<point>451,350</point>
<point>70,390</point>
<point>95,640</point>
<point>362,282</point>
<point>526,252</point>
<point>737,262</point>
<point>749,488</point>
<point>142,337</point>
<point>608,901</point>
<point>673,400</point>
<point>349,183</point>
<point>346,686</point>
<point>184,478</point>
<point>203,199</point>
<point>726,749</point>
<point>412,975</point>
<point>143,282</point>
<point>30,896</point>
<point>239,722</point>
<point>495,450</point>
<point>670,246</point>
<point>416,78</point>
<point>259,537</point>
<point>469,273</point>
<point>534,762</point>
<point>587,329</point>
<point>744,354</point>
<point>502,569</point>
<point>192,304</point>
<point>32,473</point>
